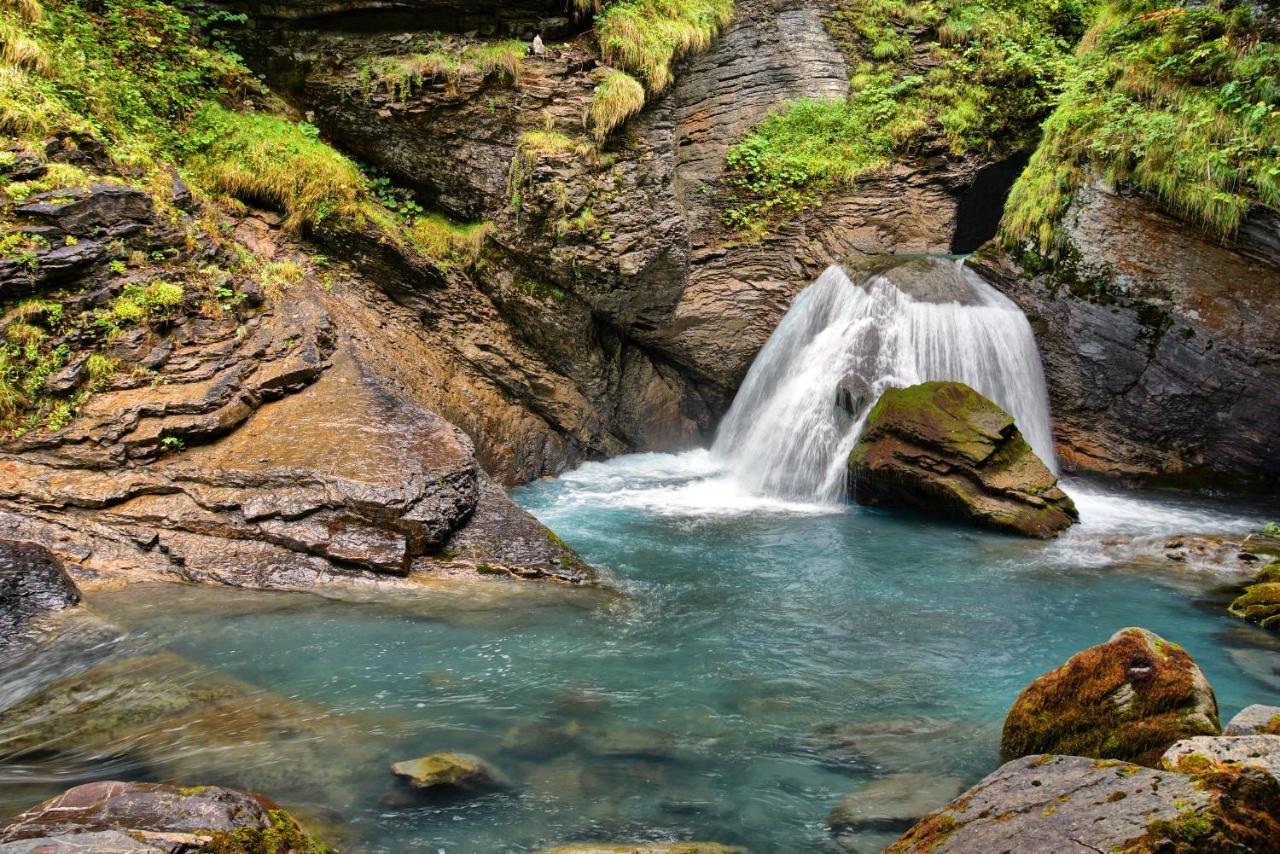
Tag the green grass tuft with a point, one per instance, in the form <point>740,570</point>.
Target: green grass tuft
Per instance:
<point>1182,103</point>
<point>618,97</point>
<point>646,37</point>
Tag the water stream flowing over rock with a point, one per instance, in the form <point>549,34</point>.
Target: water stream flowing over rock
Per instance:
<point>858,330</point>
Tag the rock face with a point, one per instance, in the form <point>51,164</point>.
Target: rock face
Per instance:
<point>1129,698</point>
<point>451,771</point>
<point>162,818</point>
<point>1160,346</point>
<point>619,312</point>
<point>1063,803</point>
<point>943,448</point>
<point>32,581</point>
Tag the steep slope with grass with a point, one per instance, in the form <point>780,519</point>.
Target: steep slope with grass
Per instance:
<point>172,271</point>
<point>1143,240</point>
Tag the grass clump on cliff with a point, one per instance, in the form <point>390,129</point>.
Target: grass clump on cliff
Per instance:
<point>271,161</point>
<point>402,76</point>
<point>1182,103</point>
<point>618,97</point>
<point>958,76</point>
<point>646,37</point>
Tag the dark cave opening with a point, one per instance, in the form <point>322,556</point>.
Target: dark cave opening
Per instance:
<point>981,206</point>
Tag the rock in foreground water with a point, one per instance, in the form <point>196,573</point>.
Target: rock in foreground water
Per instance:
<point>1129,698</point>
<point>32,581</point>
<point>451,771</point>
<point>167,818</point>
<point>1260,601</point>
<point>1060,803</point>
<point>893,803</point>
<point>943,448</point>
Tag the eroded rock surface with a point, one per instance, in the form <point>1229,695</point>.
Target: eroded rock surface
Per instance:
<point>1160,346</point>
<point>941,447</point>
<point>1129,698</point>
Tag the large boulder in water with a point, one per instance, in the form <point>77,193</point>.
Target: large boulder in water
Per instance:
<point>1129,698</point>
<point>942,447</point>
<point>32,581</point>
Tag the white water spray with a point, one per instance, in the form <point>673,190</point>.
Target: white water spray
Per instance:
<point>801,407</point>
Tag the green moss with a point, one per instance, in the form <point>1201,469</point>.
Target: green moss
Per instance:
<point>960,75</point>
<point>618,97</point>
<point>1182,103</point>
<point>446,61</point>
<point>282,836</point>
<point>646,37</point>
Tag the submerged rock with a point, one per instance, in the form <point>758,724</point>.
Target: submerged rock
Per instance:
<point>1253,720</point>
<point>942,447</point>
<point>451,771</point>
<point>167,818</point>
<point>32,581</point>
<point>1129,698</point>
<point>894,802</point>
<point>1056,803</point>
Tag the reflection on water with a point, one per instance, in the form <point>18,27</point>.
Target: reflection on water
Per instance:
<point>759,664</point>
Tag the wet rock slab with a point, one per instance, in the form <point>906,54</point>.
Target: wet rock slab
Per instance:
<point>32,581</point>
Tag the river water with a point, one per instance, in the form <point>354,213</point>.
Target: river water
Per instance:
<point>758,661</point>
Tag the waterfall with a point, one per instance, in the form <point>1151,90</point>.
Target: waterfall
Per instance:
<point>904,321</point>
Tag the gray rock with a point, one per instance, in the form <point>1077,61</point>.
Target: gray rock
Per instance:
<point>1253,720</point>
<point>458,771</point>
<point>1056,803</point>
<point>81,211</point>
<point>1204,753</point>
<point>32,581</point>
<point>97,842</point>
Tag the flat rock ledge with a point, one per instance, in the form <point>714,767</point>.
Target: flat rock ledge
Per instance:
<point>943,448</point>
<point>1074,803</point>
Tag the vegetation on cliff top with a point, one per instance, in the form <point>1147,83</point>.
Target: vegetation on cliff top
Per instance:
<point>1182,103</point>
<point>955,75</point>
<point>646,37</point>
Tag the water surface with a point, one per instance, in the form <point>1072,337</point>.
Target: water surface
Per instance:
<point>759,660</point>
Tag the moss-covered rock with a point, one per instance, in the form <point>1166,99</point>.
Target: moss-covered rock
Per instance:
<point>1260,601</point>
<point>943,448</point>
<point>458,771</point>
<point>1255,720</point>
<point>1129,698</point>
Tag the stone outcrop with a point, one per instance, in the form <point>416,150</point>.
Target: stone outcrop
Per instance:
<point>32,581</point>
<point>108,816</point>
<point>1260,601</point>
<point>451,771</point>
<point>256,439</point>
<point>1063,803</point>
<point>1129,699</point>
<point>943,448</point>
<point>624,313</point>
<point>1161,347</point>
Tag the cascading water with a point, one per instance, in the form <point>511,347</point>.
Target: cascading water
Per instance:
<point>801,407</point>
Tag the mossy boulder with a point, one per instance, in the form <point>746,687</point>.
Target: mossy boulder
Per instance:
<point>1260,601</point>
<point>1129,698</point>
<point>943,448</point>
<point>451,771</point>
<point>1210,754</point>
